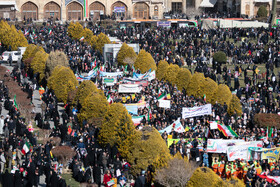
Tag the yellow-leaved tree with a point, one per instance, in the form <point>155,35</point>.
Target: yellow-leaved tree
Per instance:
<point>124,53</point>
<point>56,58</point>
<point>209,88</point>
<point>223,94</point>
<point>144,62</point>
<point>194,87</point>
<point>85,88</point>
<point>38,63</point>
<point>102,39</point>
<point>87,33</point>
<point>29,54</point>
<point>235,106</point>
<point>151,149</point>
<point>93,41</point>
<point>62,81</point>
<point>184,77</point>
<point>10,37</point>
<point>161,69</point>
<point>118,129</point>
<point>94,107</point>
<point>75,30</point>
<point>171,74</point>
<point>206,177</point>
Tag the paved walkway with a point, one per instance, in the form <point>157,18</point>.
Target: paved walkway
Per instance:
<point>37,103</point>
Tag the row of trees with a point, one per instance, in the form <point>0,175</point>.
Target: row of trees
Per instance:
<point>198,86</point>
<point>140,148</point>
<point>76,31</point>
<point>41,62</point>
<point>10,37</point>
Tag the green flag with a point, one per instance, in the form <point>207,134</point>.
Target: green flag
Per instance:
<point>15,102</point>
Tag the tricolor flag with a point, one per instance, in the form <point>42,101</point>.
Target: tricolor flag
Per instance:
<point>227,131</point>
<point>50,31</point>
<point>26,32</point>
<point>102,68</point>
<point>271,133</point>
<point>26,148</point>
<point>137,119</point>
<point>94,63</point>
<point>204,97</point>
<point>15,102</point>
<point>266,133</point>
<point>109,99</point>
<point>162,96</point>
<point>149,114</point>
<point>82,38</point>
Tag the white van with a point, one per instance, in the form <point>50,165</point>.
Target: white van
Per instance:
<point>15,56</point>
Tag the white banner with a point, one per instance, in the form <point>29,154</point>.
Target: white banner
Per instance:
<point>109,81</point>
<point>130,88</point>
<point>219,145</point>
<point>177,126</point>
<point>240,150</point>
<point>111,74</point>
<point>197,111</point>
<point>164,103</point>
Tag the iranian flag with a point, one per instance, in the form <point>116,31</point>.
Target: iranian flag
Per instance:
<point>137,119</point>
<point>162,96</point>
<point>109,99</point>
<point>26,148</point>
<point>94,64</point>
<point>227,131</point>
<point>82,38</point>
<point>26,32</point>
<point>102,68</point>
<point>15,102</point>
<point>149,114</point>
<point>271,133</point>
<point>50,31</point>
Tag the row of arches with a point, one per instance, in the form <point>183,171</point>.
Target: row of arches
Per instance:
<point>74,10</point>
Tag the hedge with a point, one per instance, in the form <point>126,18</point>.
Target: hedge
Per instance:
<point>267,120</point>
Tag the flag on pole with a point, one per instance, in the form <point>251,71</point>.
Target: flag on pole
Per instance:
<point>227,131</point>
<point>26,32</point>
<point>102,68</point>
<point>94,64</point>
<point>162,96</point>
<point>15,102</point>
<point>26,148</point>
<point>109,99</point>
<point>204,97</point>
<point>82,38</point>
<point>271,133</point>
<point>50,31</point>
<point>149,114</point>
<point>266,133</point>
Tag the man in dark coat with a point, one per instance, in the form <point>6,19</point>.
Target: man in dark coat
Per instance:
<point>97,175</point>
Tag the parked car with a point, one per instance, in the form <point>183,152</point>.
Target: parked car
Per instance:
<point>15,55</point>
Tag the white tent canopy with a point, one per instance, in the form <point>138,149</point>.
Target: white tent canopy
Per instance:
<point>208,3</point>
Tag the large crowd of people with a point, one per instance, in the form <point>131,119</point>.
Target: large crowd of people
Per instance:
<point>190,47</point>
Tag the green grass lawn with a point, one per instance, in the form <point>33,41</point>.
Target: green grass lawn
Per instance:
<point>69,180</point>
